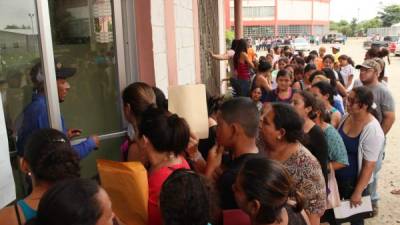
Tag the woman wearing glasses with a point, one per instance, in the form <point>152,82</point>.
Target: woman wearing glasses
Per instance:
<point>363,138</point>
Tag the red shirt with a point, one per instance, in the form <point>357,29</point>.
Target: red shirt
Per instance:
<point>156,180</point>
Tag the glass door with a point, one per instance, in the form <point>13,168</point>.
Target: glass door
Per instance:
<point>83,38</point>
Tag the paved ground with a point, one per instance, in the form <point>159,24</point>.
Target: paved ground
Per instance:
<point>389,205</point>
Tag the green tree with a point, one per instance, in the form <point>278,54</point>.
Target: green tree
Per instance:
<point>353,27</point>
<point>363,26</point>
<point>12,26</point>
<point>390,15</point>
<point>229,36</point>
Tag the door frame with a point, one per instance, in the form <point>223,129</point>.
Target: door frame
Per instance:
<point>125,42</point>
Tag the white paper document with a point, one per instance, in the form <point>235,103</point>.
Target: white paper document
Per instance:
<point>345,211</point>
<point>189,102</point>
<point>7,185</point>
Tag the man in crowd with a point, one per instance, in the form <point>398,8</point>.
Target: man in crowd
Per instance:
<point>237,129</point>
<point>35,115</point>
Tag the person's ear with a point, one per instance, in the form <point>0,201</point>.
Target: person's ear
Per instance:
<point>282,133</point>
<point>24,166</point>
<point>254,208</point>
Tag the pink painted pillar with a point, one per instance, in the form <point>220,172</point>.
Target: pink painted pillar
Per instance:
<point>238,19</point>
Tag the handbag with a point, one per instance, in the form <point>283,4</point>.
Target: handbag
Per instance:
<point>333,197</point>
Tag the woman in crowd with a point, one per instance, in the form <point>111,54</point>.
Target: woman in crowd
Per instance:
<point>281,129</point>
<point>338,88</point>
<point>363,138</point>
<point>242,65</point>
<point>280,65</point>
<point>227,56</point>
<point>185,199</point>
<point>283,93</point>
<point>347,71</point>
<point>255,95</point>
<point>325,92</point>
<point>335,77</point>
<point>308,70</point>
<point>263,77</point>
<point>136,99</point>
<point>337,154</point>
<point>298,75</point>
<point>266,192</point>
<point>163,139</point>
<point>76,201</point>
<point>48,159</point>
<point>314,140</point>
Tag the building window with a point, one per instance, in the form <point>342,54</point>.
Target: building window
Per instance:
<point>258,31</point>
<point>255,12</point>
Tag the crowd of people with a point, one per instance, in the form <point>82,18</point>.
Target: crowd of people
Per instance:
<point>295,124</point>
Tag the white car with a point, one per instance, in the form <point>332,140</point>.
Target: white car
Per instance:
<point>301,44</point>
<point>397,51</point>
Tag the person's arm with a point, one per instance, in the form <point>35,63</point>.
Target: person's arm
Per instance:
<point>220,56</point>
<point>337,165</point>
<point>85,147</point>
<point>335,119</point>
<point>342,90</point>
<point>314,219</point>
<point>362,183</point>
<point>214,161</point>
<point>248,61</point>
<point>264,83</point>
<point>349,81</point>
<point>387,122</point>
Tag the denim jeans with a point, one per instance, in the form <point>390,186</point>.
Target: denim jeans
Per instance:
<point>373,187</point>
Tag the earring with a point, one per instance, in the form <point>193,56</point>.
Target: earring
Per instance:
<point>279,138</point>
<point>29,173</point>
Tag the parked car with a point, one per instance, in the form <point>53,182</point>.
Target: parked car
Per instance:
<point>301,44</point>
<point>334,38</point>
<point>389,42</point>
<point>397,50</point>
<point>392,42</point>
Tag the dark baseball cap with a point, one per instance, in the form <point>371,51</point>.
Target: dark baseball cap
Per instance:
<point>37,75</point>
<point>63,72</point>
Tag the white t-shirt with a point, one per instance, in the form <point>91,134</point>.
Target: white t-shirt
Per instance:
<point>346,71</point>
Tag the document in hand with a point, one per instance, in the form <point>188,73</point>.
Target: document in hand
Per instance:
<point>344,213</point>
<point>7,185</point>
<point>189,102</point>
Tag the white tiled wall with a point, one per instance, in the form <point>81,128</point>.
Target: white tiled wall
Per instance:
<point>159,44</point>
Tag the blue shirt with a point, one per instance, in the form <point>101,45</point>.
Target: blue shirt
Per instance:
<point>35,117</point>
<point>351,143</point>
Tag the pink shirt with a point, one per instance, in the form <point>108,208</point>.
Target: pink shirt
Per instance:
<point>156,180</point>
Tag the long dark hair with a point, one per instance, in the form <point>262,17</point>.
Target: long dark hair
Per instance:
<point>185,199</point>
<point>326,89</point>
<point>268,182</point>
<point>50,156</point>
<point>167,133</point>
<point>286,117</point>
<point>69,202</point>
<point>241,47</point>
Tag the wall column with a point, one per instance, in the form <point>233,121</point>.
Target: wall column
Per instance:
<point>238,19</point>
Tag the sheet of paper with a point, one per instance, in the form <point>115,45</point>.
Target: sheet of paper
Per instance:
<point>345,211</point>
<point>189,102</point>
<point>7,185</point>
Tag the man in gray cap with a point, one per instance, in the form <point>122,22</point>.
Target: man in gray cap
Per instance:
<point>385,108</point>
<point>35,115</point>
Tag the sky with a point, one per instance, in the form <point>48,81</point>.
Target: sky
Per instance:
<point>16,11</point>
<point>348,9</point>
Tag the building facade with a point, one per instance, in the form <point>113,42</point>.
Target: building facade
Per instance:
<point>263,18</point>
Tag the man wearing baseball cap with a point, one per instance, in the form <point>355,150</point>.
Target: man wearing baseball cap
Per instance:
<point>35,115</point>
<point>385,111</point>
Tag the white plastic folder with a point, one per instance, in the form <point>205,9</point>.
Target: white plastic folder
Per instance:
<point>344,212</point>
<point>7,185</point>
<point>189,102</point>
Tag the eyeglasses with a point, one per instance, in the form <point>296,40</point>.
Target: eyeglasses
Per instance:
<point>352,101</point>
